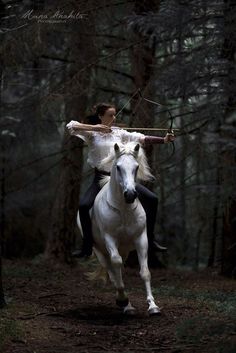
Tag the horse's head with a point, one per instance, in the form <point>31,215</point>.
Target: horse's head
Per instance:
<point>126,168</point>
<point>129,164</point>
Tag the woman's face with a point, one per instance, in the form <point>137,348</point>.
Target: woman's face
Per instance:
<point>109,117</point>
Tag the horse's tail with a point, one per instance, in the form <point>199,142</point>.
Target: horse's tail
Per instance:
<point>79,224</point>
<point>99,274</point>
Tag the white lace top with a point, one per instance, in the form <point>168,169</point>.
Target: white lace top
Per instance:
<point>101,144</point>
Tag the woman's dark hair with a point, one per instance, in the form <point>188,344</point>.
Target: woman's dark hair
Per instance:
<point>98,109</point>
<point>92,120</point>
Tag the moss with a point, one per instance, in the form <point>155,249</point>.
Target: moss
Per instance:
<point>9,330</point>
<point>219,301</point>
<point>200,328</point>
<point>17,272</point>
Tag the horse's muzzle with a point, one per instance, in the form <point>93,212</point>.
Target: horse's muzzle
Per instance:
<point>130,196</point>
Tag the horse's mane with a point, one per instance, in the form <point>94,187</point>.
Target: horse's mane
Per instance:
<point>144,172</point>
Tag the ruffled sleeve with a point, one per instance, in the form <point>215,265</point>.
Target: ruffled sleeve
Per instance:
<point>86,136</point>
<point>131,136</point>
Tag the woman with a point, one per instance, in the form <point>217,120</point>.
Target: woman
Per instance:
<point>101,136</point>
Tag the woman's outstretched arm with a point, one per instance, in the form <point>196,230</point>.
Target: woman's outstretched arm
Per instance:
<point>74,126</point>
<point>151,140</point>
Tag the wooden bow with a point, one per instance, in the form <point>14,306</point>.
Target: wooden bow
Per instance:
<point>170,129</point>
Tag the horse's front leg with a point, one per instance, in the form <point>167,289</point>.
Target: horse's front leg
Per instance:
<point>115,274</point>
<point>141,245</point>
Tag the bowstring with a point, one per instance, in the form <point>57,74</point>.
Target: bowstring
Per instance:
<point>171,120</point>
<point>129,100</point>
<point>141,98</point>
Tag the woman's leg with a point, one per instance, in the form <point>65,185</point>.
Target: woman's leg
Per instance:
<point>85,205</point>
<point>149,202</point>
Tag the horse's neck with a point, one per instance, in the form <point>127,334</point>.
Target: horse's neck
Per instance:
<point>114,195</point>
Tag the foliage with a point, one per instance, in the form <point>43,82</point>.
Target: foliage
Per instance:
<point>219,301</point>
<point>10,329</point>
<point>199,329</point>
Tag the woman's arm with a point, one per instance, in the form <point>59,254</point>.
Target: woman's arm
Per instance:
<point>74,126</point>
<point>151,140</point>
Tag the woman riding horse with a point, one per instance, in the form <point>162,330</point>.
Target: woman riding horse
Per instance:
<point>100,137</point>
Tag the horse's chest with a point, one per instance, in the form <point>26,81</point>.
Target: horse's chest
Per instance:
<point>123,223</point>
<point>129,224</point>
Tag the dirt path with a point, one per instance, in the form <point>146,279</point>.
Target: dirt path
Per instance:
<point>57,311</point>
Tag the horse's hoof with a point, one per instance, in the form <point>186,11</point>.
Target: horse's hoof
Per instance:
<point>154,311</point>
<point>129,311</point>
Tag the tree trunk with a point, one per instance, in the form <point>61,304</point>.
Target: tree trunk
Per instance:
<point>65,207</point>
<point>183,210</point>
<point>229,154</point>
<point>62,236</point>
<point>2,298</point>
<point>2,230</point>
<point>2,156</point>
<point>198,205</point>
<point>3,143</point>
<point>143,60</point>
<point>183,151</point>
<point>213,236</point>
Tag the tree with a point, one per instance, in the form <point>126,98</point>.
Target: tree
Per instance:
<point>143,64</point>
<point>2,300</point>
<point>65,206</point>
<point>228,155</point>
<point>2,156</point>
<point>63,218</point>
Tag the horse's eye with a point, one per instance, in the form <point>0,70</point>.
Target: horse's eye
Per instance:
<point>118,168</point>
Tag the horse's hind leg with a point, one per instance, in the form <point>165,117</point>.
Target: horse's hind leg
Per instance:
<point>115,274</point>
<point>142,250</point>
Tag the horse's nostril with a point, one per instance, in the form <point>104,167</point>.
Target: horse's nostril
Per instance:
<point>130,196</point>
<point>127,193</point>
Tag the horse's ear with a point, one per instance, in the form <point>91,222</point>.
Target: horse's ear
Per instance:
<point>116,148</point>
<point>136,148</point>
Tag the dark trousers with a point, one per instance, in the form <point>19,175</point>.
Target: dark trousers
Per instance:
<point>147,198</point>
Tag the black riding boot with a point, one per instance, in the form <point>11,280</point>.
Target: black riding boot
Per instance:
<point>84,207</point>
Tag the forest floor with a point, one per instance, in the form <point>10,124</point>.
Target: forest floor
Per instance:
<point>53,310</point>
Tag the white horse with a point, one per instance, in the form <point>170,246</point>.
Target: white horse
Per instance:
<point>119,221</point>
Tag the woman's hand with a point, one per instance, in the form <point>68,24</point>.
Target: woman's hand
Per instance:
<point>170,137</point>
<point>102,128</point>
<point>72,125</point>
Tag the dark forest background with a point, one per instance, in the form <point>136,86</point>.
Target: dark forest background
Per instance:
<point>182,55</point>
